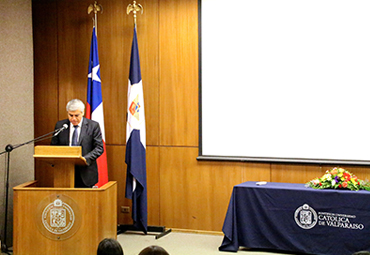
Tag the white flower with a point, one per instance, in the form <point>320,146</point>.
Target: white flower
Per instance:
<point>327,177</point>
<point>333,182</point>
<point>315,181</point>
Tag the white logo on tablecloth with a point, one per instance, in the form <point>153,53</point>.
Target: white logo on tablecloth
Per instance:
<point>305,217</point>
<point>338,220</point>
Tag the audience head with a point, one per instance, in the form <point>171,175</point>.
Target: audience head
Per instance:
<point>109,246</point>
<point>362,253</point>
<point>154,250</point>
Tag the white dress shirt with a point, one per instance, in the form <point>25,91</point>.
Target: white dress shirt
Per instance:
<point>72,129</point>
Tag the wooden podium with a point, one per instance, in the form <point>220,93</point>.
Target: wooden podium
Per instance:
<point>62,220</point>
<point>63,160</point>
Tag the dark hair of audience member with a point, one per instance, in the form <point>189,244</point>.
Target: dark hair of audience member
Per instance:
<point>109,246</point>
<point>362,253</point>
<point>154,250</point>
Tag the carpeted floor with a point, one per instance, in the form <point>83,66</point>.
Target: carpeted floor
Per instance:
<point>180,243</point>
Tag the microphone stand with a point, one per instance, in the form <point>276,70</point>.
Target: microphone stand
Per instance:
<point>8,149</point>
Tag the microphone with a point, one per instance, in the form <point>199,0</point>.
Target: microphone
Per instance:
<point>65,126</point>
<point>10,147</point>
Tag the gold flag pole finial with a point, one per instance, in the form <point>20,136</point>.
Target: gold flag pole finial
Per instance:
<point>95,8</point>
<point>134,8</point>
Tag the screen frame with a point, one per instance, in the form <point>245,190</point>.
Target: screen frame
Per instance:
<point>203,157</point>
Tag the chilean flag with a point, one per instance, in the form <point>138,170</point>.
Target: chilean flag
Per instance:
<point>136,143</point>
<point>94,106</point>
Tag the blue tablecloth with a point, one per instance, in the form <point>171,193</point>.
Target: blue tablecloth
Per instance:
<point>292,217</point>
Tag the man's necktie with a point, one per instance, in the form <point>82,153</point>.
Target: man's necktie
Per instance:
<point>74,136</point>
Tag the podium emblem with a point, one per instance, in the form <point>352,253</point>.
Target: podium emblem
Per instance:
<point>59,217</point>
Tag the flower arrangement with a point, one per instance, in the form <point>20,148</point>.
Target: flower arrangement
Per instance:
<point>338,178</point>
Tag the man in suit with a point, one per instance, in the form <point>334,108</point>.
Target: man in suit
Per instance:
<point>85,133</point>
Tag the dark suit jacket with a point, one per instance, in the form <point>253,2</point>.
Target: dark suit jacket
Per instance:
<point>91,141</point>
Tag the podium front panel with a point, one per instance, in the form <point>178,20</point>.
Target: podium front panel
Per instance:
<point>63,221</point>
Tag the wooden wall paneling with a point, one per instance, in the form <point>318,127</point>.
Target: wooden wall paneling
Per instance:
<point>216,180</point>
<point>114,39</point>
<point>153,185</point>
<point>74,39</point>
<point>295,173</point>
<point>178,47</point>
<point>195,195</point>
<point>256,172</point>
<point>44,20</point>
<point>117,172</point>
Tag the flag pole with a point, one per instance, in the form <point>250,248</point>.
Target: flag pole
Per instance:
<point>123,228</point>
<point>95,8</point>
<point>134,8</point>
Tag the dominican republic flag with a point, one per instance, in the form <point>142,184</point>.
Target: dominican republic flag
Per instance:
<point>94,106</point>
<point>136,143</point>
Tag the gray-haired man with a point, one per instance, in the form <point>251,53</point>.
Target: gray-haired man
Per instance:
<point>85,133</point>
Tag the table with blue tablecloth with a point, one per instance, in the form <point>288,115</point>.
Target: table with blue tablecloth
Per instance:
<point>292,217</point>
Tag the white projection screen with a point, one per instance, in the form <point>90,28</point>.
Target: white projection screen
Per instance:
<point>285,81</point>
